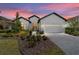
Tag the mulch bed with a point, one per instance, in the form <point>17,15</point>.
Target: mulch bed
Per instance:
<point>42,47</point>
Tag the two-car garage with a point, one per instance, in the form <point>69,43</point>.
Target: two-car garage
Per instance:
<point>53,23</point>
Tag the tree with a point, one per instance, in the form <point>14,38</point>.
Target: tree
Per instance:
<point>74,23</point>
<point>17,23</point>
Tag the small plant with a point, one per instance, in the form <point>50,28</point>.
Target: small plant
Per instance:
<point>23,33</point>
<point>38,37</point>
<point>41,32</point>
<point>44,38</point>
<point>22,38</point>
<point>31,42</point>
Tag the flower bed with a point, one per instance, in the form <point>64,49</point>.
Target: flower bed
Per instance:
<point>38,45</point>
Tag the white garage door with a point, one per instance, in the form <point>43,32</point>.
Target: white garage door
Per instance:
<point>53,29</point>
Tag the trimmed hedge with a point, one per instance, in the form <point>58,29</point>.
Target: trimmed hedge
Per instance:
<point>72,31</point>
<point>2,31</point>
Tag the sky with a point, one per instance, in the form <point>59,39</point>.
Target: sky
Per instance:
<point>67,10</point>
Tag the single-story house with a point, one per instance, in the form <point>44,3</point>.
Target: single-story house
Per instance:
<point>52,23</point>
<point>5,24</point>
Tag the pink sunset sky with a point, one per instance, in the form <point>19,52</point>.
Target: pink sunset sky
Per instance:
<point>67,10</point>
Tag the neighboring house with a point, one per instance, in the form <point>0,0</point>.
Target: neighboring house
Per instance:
<point>5,24</point>
<point>52,23</point>
<point>73,22</point>
<point>34,19</point>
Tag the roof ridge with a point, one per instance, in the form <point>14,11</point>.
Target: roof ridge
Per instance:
<point>23,18</point>
<point>34,16</point>
<point>51,14</point>
<point>5,18</point>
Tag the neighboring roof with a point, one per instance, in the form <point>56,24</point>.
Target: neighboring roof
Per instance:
<point>73,18</point>
<point>23,18</point>
<point>33,16</point>
<point>3,18</point>
<point>51,14</point>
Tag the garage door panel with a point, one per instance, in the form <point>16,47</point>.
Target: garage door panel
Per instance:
<point>51,29</point>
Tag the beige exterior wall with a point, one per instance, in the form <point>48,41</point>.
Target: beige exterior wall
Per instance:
<point>53,24</point>
<point>24,24</point>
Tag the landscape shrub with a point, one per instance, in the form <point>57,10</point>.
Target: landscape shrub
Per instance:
<point>22,38</point>
<point>23,33</point>
<point>31,42</point>
<point>38,37</point>
<point>8,31</point>
<point>2,31</point>
<point>76,33</point>
<point>69,30</point>
<point>77,29</point>
<point>72,31</point>
<point>7,35</point>
<point>44,38</point>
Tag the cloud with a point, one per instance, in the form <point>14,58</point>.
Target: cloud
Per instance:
<point>12,12</point>
<point>59,6</point>
<point>64,9</point>
<point>40,9</point>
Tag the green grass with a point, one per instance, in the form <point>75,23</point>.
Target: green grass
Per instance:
<point>9,47</point>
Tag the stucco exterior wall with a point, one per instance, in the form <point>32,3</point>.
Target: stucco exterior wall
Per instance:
<point>34,19</point>
<point>24,24</point>
<point>53,24</point>
<point>34,23</point>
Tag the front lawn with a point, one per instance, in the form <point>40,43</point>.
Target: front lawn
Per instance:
<point>9,46</point>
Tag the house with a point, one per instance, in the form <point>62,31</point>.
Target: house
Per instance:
<point>5,24</point>
<point>73,22</point>
<point>34,22</point>
<point>52,23</point>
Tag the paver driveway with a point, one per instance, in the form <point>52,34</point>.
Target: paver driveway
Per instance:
<point>68,43</point>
